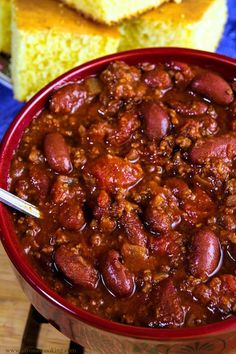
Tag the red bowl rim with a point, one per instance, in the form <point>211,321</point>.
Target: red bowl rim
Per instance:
<point>21,264</point>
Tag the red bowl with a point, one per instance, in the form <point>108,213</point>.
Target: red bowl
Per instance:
<point>82,327</point>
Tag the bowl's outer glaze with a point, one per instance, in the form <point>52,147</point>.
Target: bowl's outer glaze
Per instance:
<point>104,336</point>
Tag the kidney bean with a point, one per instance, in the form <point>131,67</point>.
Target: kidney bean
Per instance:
<point>168,307</point>
<point>157,219</point>
<point>158,78</point>
<point>134,228</point>
<point>127,124</point>
<point>116,276</point>
<point>198,207</point>
<point>204,254</point>
<point>76,269</point>
<point>39,179</point>
<point>213,87</point>
<point>223,146</point>
<point>68,98</point>
<point>112,173</point>
<point>156,120</point>
<point>57,153</point>
<point>71,216</point>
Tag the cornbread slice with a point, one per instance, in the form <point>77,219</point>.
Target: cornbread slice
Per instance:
<point>113,11</point>
<point>48,39</point>
<point>192,24</point>
<point>5,28</point>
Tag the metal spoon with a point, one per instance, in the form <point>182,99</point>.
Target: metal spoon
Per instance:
<point>19,204</point>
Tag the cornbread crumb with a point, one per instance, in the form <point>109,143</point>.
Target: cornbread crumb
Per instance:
<point>5,28</point>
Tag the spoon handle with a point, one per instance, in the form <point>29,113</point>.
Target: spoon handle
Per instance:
<point>19,204</point>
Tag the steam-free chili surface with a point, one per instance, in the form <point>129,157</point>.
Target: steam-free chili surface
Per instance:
<point>134,171</point>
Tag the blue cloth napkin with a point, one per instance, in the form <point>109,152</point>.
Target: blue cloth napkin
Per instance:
<point>227,45</point>
<point>10,107</point>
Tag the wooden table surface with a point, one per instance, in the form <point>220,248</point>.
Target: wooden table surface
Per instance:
<point>14,308</point>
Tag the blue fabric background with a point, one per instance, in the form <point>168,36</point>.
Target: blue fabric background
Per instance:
<point>10,107</point>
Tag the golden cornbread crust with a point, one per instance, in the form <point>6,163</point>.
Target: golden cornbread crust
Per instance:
<point>113,12</point>
<point>31,16</point>
<point>187,11</point>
